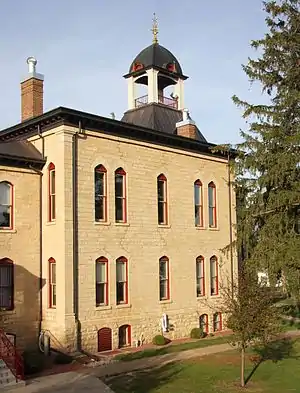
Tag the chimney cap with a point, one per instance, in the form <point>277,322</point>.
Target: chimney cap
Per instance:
<point>32,62</point>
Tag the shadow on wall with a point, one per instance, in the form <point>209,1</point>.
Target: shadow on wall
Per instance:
<point>20,293</point>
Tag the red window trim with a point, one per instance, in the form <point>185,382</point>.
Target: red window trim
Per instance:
<point>105,261</point>
<point>12,207</point>
<point>51,168</point>
<point>50,262</point>
<point>9,262</point>
<point>217,274</point>
<point>166,259</point>
<point>200,259</point>
<point>206,322</point>
<point>198,184</point>
<point>221,321</point>
<point>125,261</point>
<point>212,186</point>
<point>101,169</point>
<point>120,171</point>
<point>162,178</point>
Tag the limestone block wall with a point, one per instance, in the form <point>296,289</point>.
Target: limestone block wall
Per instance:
<point>22,246</point>
<point>142,241</point>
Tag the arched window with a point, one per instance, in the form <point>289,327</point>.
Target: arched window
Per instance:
<point>100,193</point>
<point>104,339</point>
<point>217,322</point>
<point>198,200</point>
<point>52,191</point>
<point>214,276</point>
<point>6,205</point>
<point>212,205</point>
<point>200,278</point>
<point>203,323</point>
<point>122,280</point>
<point>6,284</point>
<point>164,281</point>
<point>120,196</point>
<point>124,336</point>
<point>162,200</point>
<point>101,281</point>
<point>52,283</point>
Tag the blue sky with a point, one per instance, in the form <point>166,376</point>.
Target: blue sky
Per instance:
<point>84,47</point>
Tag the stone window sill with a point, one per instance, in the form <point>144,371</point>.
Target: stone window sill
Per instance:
<point>167,301</point>
<point>103,308</point>
<point>8,230</point>
<point>123,306</point>
<point>122,224</point>
<point>164,226</point>
<point>105,223</point>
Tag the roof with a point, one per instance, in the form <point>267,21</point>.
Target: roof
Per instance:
<point>156,56</point>
<point>20,152</point>
<point>158,117</point>
<point>102,125</point>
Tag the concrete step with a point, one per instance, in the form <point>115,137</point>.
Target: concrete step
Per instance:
<point>7,378</point>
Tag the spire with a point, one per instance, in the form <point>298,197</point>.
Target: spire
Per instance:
<point>154,29</point>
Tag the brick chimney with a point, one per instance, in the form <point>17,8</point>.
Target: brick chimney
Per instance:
<point>32,92</point>
<point>187,127</point>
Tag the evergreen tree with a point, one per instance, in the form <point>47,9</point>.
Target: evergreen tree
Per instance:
<point>268,173</point>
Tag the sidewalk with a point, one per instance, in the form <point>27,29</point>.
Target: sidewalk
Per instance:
<point>161,360</point>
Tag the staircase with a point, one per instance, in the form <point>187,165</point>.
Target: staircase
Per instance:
<point>11,363</point>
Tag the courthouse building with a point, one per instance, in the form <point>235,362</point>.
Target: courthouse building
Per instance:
<point>111,230</point>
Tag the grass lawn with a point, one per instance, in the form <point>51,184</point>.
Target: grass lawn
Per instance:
<point>218,374</point>
<point>147,353</point>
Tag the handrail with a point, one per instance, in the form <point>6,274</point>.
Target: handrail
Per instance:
<point>57,344</point>
<point>11,356</point>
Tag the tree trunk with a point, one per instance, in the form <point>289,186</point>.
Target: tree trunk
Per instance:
<point>243,367</point>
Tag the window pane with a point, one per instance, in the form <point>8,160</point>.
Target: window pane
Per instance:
<point>99,208</point>
<point>53,207</point>
<point>53,295</point>
<point>163,294</point>
<point>100,272</point>
<point>161,190</point>
<point>119,209</point>
<point>5,190</point>
<point>211,196</point>
<point>119,185</point>
<point>161,213</point>
<point>6,276</point>
<point>197,215</point>
<point>213,267</point>
<point>120,292</point>
<point>163,270</point>
<point>100,294</point>
<point>5,297</point>
<point>99,183</point>
<point>199,269</point>
<point>197,194</point>
<point>53,273</point>
<point>121,271</point>
<point>52,182</point>
<point>4,216</point>
<point>211,217</point>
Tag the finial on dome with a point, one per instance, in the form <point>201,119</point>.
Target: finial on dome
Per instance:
<point>155,29</point>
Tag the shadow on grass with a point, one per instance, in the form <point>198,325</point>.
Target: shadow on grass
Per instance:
<point>275,351</point>
<point>143,381</point>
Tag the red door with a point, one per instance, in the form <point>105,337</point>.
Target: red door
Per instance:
<point>104,339</point>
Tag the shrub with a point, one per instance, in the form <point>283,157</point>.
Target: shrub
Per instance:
<point>160,340</point>
<point>62,358</point>
<point>34,362</point>
<point>198,333</point>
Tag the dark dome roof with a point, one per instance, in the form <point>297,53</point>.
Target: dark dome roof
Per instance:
<point>157,56</point>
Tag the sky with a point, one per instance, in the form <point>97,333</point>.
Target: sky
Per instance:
<point>84,48</point>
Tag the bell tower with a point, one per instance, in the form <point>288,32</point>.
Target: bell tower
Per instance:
<point>156,68</point>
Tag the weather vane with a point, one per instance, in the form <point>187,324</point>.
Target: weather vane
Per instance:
<point>155,29</point>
